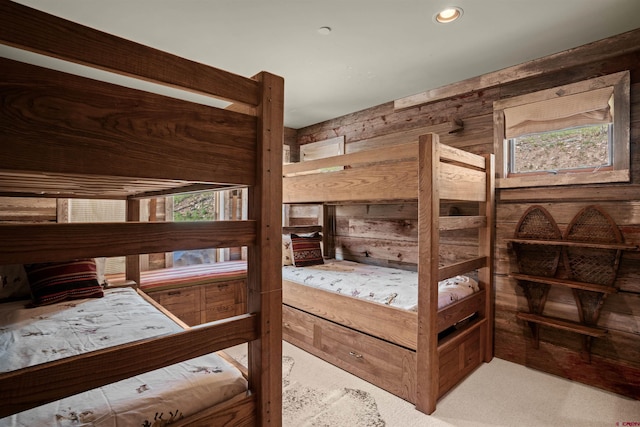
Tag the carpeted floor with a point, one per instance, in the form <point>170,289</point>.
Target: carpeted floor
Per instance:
<point>499,393</point>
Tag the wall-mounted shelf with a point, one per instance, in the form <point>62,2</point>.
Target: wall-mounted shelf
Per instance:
<point>567,325</point>
<point>590,249</point>
<point>594,245</point>
<point>593,287</point>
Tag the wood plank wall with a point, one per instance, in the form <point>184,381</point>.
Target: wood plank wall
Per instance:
<point>386,234</point>
<point>35,209</point>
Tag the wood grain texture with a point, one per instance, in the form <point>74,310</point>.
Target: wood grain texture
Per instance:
<point>389,323</point>
<point>597,51</point>
<point>91,370</point>
<point>391,235</point>
<point>264,276</point>
<point>238,411</point>
<point>27,209</point>
<point>28,243</point>
<point>68,136</point>
<point>26,28</point>
<point>475,108</point>
<point>140,135</point>
<point>384,364</point>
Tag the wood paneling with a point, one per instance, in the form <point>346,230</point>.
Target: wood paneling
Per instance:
<point>61,242</point>
<point>89,114</point>
<point>36,31</point>
<point>385,234</point>
<point>27,209</point>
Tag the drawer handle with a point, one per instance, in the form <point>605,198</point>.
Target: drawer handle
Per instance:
<point>356,355</point>
<point>174,293</point>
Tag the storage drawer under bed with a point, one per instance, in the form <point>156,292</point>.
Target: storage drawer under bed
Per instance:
<point>386,365</point>
<point>379,362</point>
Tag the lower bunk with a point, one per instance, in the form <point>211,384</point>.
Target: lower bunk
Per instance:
<point>208,389</point>
<point>377,341</point>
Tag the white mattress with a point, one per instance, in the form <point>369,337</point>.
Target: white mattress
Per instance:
<point>390,286</point>
<point>30,336</point>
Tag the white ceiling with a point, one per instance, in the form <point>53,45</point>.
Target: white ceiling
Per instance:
<point>378,50</point>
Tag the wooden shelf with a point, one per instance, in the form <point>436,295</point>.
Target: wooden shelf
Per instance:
<point>539,245</point>
<point>566,325</point>
<point>620,246</point>
<point>566,283</point>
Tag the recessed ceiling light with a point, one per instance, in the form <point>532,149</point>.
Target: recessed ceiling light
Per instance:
<point>447,15</point>
<point>324,30</point>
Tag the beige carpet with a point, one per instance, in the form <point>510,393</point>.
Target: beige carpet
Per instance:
<point>499,393</point>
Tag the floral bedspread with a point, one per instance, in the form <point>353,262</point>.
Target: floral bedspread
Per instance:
<point>398,288</point>
<point>30,336</point>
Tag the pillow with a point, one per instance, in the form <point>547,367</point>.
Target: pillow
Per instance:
<point>60,281</point>
<point>286,250</point>
<point>306,250</point>
<point>14,284</point>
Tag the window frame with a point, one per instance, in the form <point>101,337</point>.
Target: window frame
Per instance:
<point>620,152</point>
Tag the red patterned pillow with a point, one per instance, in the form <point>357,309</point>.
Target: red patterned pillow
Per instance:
<point>306,250</point>
<point>60,281</point>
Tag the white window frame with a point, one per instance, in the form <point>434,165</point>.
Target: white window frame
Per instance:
<point>620,171</point>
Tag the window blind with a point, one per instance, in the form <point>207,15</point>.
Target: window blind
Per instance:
<point>586,108</point>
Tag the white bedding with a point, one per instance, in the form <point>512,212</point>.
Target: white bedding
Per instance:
<point>31,336</point>
<point>390,286</point>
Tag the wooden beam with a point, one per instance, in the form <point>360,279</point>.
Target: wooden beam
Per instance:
<point>264,258</point>
<point>30,29</point>
<point>601,50</point>
<point>76,374</point>
<point>427,369</point>
<point>28,243</point>
<point>36,139</point>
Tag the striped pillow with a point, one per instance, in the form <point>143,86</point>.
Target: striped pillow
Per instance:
<point>306,250</point>
<point>60,281</point>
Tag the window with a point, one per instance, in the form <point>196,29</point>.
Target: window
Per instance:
<point>209,206</point>
<point>573,134</point>
<point>579,149</point>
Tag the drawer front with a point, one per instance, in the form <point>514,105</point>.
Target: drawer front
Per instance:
<point>183,302</point>
<point>224,299</point>
<point>386,365</point>
<point>459,360</point>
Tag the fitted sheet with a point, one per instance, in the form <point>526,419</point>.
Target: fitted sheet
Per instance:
<point>384,285</point>
<point>30,336</point>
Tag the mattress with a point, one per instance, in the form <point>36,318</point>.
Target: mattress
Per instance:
<point>384,285</point>
<point>30,336</point>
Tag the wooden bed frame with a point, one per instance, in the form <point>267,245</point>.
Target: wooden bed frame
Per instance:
<point>398,350</point>
<point>68,136</point>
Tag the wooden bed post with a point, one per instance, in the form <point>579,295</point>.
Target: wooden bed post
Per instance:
<point>485,239</point>
<point>427,368</point>
<point>132,264</point>
<point>264,258</point>
<point>329,228</point>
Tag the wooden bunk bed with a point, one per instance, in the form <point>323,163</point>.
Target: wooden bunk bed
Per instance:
<point>65,136</point>
<point>404,352</point>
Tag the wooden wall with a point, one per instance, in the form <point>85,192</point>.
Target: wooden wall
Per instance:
<point>386,234</point>
<point>34,209</point>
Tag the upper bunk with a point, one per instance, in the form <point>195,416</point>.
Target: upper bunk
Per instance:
<point>67,136</point>
<point>388,174</point>
<point>64,134</point>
